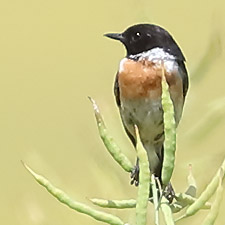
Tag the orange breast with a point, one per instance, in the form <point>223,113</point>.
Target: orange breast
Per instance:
<point>138,79</point>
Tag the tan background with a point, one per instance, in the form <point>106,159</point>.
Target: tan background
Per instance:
<point>52,56</point>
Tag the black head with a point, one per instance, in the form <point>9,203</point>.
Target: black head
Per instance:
<point>143,37</point>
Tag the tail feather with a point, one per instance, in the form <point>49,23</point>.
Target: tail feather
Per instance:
<point>155,157</point>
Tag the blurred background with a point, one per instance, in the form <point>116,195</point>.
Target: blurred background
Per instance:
<point>52,56</point>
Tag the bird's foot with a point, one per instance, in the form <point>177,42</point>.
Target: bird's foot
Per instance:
<point>169,193</point>
<point>135,175</point>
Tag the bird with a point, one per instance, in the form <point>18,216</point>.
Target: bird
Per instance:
<point>137,88</point>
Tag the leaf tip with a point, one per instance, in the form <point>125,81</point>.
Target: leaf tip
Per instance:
<point>94,104</point>
<point>28,168</point>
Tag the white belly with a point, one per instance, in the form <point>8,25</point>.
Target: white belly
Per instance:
<point>147,115</point>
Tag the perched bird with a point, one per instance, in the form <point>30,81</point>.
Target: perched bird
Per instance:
<point>138,89</point>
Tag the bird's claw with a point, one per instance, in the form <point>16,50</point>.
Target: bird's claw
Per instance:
<point>169,193</point>
<point>135,176</point>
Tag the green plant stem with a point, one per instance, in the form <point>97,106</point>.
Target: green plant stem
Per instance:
<point>79,207</point>
<point>188,200</point>
<point>144,183</point>
<point>183,201</point>
<point>117,204</point>
<point>109,142</point>
<point>167,212</point>
<point>176,207</point>
<point>192,187</point>
<point>170,132</point>
<point>211,217</point>
<point>205,195</point>
<point>155,199</point>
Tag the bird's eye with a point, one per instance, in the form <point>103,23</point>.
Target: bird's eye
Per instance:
<point>136,36</point>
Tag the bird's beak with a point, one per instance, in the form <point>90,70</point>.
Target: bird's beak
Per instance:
<point>115,36</point>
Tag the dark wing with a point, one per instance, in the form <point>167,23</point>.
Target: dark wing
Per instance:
<point>118,102</point>
<point>117,90</point>
<point>184,77</point>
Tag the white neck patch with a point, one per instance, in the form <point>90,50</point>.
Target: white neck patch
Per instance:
<point>153,54</point>
<point>158,55</point>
